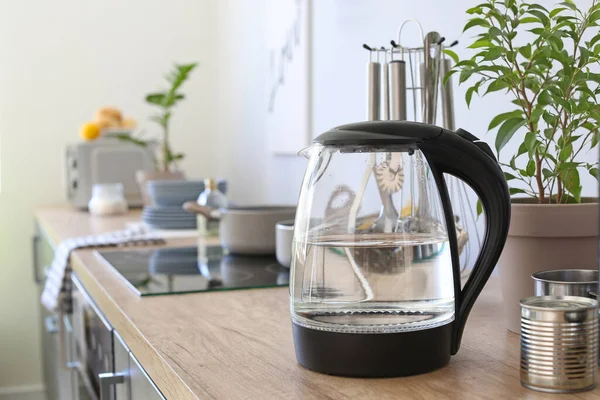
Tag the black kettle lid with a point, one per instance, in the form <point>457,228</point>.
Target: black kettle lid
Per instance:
<point>379,133</point>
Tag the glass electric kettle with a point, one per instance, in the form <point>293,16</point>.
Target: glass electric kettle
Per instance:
<point>375,276</point>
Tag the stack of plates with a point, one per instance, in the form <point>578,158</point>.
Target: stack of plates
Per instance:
<point>175,217</point>
<point>171,193</point>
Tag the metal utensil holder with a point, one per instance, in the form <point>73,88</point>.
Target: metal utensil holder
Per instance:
<point>423,65</point>
<point>413,88</point>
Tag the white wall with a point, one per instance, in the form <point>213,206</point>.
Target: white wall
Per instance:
<point>59,61</point>
<point>241,98</point>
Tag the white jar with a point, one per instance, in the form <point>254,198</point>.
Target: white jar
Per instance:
<point>107,199</point>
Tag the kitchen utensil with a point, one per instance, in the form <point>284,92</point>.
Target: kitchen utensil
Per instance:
<point>559,343</point>
<point>397,89</point>
<point>373,85</point>
<point>284,234</point>
<point>566,282</point>
<point>373,302</point>
<point>385,87</point>
<point>429,76</point>
<point>447,95</point>
<point>246,230</point>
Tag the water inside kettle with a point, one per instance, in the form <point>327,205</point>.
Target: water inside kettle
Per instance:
<point>373,283</point>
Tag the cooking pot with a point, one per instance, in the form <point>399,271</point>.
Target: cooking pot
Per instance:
<point>246,230</point>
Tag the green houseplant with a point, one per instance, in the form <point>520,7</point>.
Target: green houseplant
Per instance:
<point>546,62</point>
<point>165,101</point>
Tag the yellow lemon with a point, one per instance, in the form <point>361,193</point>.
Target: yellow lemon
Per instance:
<point>89,131</point>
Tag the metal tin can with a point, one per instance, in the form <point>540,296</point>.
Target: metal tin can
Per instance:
<point>566,282</point>
<point>559,343</point>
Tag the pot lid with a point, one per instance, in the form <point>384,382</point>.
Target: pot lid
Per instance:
<point>379,133</point>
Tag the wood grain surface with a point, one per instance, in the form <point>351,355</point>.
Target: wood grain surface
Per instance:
<point>238,344</point>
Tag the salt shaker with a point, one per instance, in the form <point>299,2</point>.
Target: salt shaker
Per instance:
<point>107,199</point>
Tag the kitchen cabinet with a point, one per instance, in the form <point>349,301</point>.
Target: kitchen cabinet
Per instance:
<point>130,380</point>
<point>82,353</point>
<point>58,352</point>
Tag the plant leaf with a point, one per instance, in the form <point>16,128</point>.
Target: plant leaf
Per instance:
<point>515,191</point>
<point>480,43</point>
<point>570,4</point>
<point>479,208</point>
<point>530,143</point>
<point>506,132</point>
<point>572,183</point>
<point>547,173</point>
<point>156,98</point>
<point>125,137</point>
<point>528,20</point>
<point>496,85</point>
<point>565,152</point>
<point>543,18</point>
<point>503,117</point>
<point>556,11</point>
<point>509,177</point>
<point>469,95</point>
<point>476,22</point>
<point>525,51</point>
<point>495,32</point>
<point>544,98</point>
<point>452,55</point>
<point>448,75</point>
<point>530,168</point>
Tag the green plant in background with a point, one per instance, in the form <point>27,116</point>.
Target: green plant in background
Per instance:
<point>542,58</point>
<point>166,101</point>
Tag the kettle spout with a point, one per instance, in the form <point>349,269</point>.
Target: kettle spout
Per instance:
<point>306,152</point>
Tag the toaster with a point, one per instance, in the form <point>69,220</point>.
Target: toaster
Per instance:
<point>105,160</point>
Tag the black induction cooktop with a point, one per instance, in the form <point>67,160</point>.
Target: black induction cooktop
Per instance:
<point>152,272</point>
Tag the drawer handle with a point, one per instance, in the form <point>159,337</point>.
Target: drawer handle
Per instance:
<point>51,324</point>
<point>107,381</point>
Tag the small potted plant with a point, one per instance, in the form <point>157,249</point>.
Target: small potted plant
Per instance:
<point>165,101</point>
<point>546,62</point>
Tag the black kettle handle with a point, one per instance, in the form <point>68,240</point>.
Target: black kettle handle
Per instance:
<point>461,154</point>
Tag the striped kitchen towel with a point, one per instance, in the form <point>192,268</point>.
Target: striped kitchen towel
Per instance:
<point>57,289</point>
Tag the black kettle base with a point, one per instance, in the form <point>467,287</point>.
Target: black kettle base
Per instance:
<point>373,355</point>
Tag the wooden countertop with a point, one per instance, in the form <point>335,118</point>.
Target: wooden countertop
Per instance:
<point>238,344</point>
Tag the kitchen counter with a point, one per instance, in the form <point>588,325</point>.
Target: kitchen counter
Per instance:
<point>238,344</point>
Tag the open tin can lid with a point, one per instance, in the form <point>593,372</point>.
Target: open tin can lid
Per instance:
<point>558,303</point>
